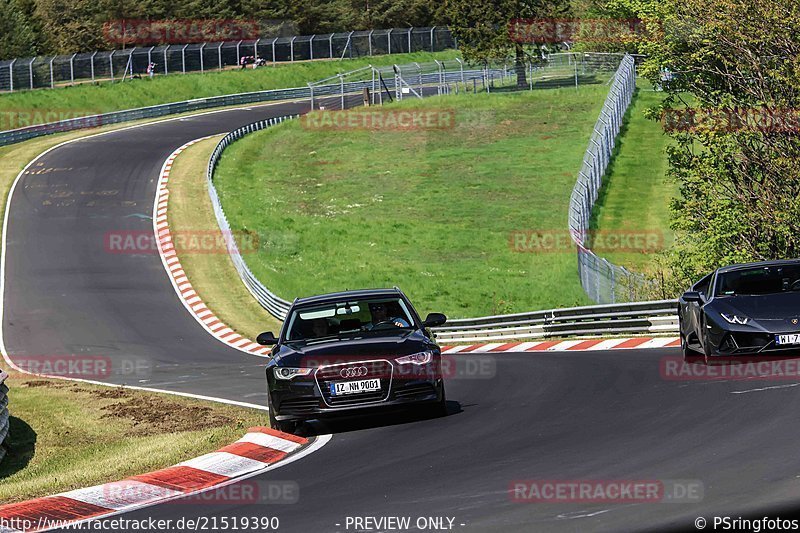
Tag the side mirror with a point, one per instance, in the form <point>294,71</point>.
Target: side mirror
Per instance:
<point>266,339</point>
<point>692,297</point>
<point>433,320</point>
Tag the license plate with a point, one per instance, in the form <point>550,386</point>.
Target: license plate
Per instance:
<point>791,338</point>
<point>340,388</point>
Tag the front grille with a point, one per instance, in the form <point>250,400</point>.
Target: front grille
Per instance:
<point>299,405</point>
<point>381,369</point>
<point>412,391</point>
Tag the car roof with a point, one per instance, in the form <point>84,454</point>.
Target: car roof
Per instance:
<point>347,295</point>
<point>743,266</point>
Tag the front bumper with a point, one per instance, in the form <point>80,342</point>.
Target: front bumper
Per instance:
<point>755,343</point>
<point>303,398</point>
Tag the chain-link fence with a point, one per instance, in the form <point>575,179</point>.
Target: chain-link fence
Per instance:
<point>603,281</point>
<point>118,65</point>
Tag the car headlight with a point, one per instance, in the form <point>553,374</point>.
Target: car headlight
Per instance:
<point>421,358</point>
<point>735,319</point>
<point>285,372</point>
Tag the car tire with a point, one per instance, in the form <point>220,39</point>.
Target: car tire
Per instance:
<point>706,347</point>
<point>286,426</point>
<point>440,408</point>
<point>690,355</point>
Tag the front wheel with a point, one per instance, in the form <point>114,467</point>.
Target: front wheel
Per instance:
<point>287,426</point>
<point>440,408</point>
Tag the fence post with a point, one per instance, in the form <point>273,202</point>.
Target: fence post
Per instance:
<point>432,30</point>
<point>201,57</point>
<point>291,48</point>
<point>461,66</point>
<point>389,41</point>
<point>183,58</point>
<point>166,68</point>
<point>51,71</point>
<point>30,70</point>
<point>111,65</point>
<point>330,46</point>
<point>369,39</point>
<point>91,66</point>
<point>219,55</point>
<point>341,82</point>
<point>238,56</point>
<point>11,74</point>
<point>409,38</point>
<point>72,69</point>
<point>255,49</point>
<point>311,47</point>
<point>273,49</point>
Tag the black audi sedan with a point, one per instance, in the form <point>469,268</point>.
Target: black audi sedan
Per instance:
<point>350,352</point>
<point>743,310</point>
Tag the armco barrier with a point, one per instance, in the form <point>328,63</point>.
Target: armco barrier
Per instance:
<point>657,317</point>
<point>4,422</point>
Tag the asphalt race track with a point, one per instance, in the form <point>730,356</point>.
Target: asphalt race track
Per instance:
<point>544,416</point>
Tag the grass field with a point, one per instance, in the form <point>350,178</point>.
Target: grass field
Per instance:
<point>67,102</point>
<point>430,211</point>
<point>636,193</point>
<point>104,434</point>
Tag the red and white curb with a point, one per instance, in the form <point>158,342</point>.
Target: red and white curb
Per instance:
<point>260,449</point>
<point>638,343</point>
<point>177,276</point>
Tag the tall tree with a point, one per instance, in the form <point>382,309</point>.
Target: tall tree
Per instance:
<point>17,38</point>
<point>737,155</point>
<point>496,29</point>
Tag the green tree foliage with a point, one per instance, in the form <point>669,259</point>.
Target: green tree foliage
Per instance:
<point>484,29</point>
<point>737,156</point>
<point>16,32</point>
<point>29,27</point>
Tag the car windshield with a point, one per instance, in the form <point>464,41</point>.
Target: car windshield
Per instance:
<point>760,280</point>
<point>352,317</point>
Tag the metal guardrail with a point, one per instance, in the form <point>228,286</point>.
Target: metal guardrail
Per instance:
<point>4,422</point>
<point>277,306</point>
<point>603,281</point>
<point>655,317</point>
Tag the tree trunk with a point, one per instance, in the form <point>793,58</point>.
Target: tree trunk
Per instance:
<point>519,66</point>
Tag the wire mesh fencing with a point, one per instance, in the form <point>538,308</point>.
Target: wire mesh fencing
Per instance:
<point>603,281</point>
<point>119,65</point>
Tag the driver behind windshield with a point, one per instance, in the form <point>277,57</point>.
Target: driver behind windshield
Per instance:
<point>380,315</point>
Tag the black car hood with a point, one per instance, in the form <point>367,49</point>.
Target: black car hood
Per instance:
<point>358,348</point>
<point>783,305</point>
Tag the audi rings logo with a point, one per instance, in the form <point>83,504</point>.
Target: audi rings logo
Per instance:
<point>354,372</point>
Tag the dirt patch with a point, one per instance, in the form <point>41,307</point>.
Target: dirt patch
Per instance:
<point>117,392</point>
<point>151,416</point>
<point>43,383</point>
